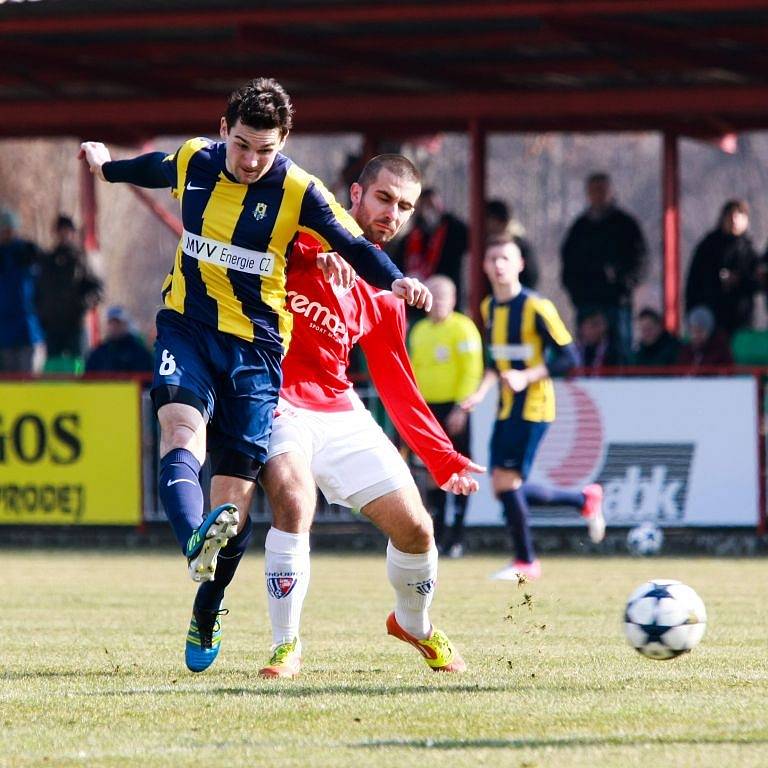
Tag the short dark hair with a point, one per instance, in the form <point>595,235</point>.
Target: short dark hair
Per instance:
<point>497,209</point>
<point>742,206</point>
<point>261,103</point>
<point>398,165</point>
<point>650,314</point>
<point>593,314</point>
<point>502,239</point>
<point>64,222</point>
<point>598,176</point>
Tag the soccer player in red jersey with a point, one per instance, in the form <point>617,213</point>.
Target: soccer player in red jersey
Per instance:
<point>323,435</point>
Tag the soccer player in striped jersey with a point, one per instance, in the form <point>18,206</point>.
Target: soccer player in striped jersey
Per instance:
<point>323,434</point>
<point>526,343</point>
<point>224,327</point>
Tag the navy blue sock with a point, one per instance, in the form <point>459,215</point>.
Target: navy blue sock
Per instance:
<point>436,500</point>
<point>459,510</point>
<point>516,513</point>
<point>211,593</point>
<point>181,493</point>
<point>546,496</point>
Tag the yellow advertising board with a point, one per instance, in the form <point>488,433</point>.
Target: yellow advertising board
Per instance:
<point>70,452</point>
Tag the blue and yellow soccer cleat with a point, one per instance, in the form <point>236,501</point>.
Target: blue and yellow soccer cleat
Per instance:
<point>203,639</point>
<point>206,542</point>
<point>285,660</point>
<point>437,649</point>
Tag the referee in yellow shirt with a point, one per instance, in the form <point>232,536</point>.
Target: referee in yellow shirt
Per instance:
<point>447,355</point>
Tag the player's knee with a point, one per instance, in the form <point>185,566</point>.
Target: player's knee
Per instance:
<point>291,499</point>
<point>506,480</point>
<point>416,537</point>
<point>180,434</point>
<point>293,516</point>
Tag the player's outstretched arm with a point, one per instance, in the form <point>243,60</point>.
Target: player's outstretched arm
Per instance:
<point>393,377</point>
<point>95,154</point>
<point>462,483</point>
<point>149,170</point>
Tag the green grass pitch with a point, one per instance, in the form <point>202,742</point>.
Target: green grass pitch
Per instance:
<point>92,670</point>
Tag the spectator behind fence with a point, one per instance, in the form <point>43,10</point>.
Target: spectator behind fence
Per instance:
<point>436,243</point>
<point>707,344</point>
<point>21,336</point>
<point>447,354</point>
<point>122,350</point>
<point>725,270</point>
<point>602,259</point>
<point>67,291</point>
<point>655,345</point>
<point>500,225</point>
<point>595,344</point>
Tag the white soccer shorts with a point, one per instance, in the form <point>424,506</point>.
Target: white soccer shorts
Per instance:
<point>352,461</point>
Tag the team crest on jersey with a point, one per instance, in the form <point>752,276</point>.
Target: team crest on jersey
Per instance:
<point>260,211</point>
<point>423,587</point>
<point>280,585</point>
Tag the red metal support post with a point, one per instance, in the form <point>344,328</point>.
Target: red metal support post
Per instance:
<point>671,230</point>
<point>173,223</point>
<point>90,240</point>
<point>477,174</point>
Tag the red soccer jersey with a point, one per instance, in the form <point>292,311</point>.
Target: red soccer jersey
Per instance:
<point>327,323</point>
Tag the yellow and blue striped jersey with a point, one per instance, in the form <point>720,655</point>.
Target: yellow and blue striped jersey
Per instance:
<point>230,264</point>
<point>518,333</point>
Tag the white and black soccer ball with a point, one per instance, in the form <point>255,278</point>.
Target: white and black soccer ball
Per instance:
<point>645,540</point>
<point>664,618</point>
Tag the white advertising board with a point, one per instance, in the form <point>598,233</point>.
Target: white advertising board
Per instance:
<point>676,451</point>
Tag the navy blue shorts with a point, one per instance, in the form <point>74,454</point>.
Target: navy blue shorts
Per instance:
<point>514,443</point>
<point>232,382</point>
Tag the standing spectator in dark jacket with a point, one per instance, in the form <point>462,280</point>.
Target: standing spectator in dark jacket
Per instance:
<point>122,350</point>
<point>724,270</point>
<point>436,243</point>
<point>656,346</point>
<point>500,224</point>
<point>21,337</point>
<point>707,344</point>
<point>67,290</point>
<point>603,256</point>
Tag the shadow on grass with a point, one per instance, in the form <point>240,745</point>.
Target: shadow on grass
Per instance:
<point>608,741</point>
<point>52,674</point>
<point>287,689</point>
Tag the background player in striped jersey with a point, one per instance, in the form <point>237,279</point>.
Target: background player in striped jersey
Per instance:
<point>526,342</point>
<point>224,327</point>
<point>322,434</point>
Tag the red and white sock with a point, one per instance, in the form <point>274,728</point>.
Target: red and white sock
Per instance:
<point>414,578</point>
<point>286,575</point>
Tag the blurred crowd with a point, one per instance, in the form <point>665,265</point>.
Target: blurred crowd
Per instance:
<point>47,297</point>
<point>603,259</point>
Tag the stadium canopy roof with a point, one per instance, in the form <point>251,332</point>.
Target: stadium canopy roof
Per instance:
<point>125,71</point>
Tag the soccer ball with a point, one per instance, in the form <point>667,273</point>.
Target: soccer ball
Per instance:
<point>645,540</point>
<point>664,618</point>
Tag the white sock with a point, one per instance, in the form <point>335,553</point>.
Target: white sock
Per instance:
<point>286,574</point>
<point>414,578</point>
